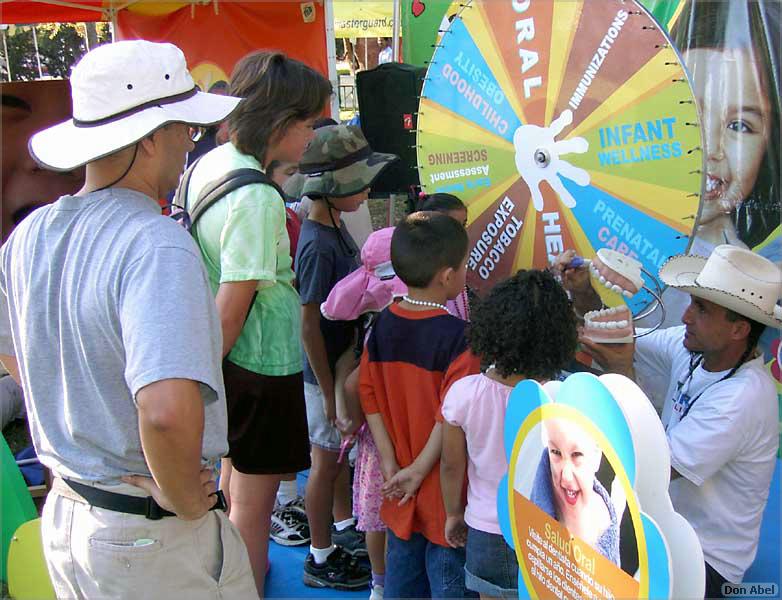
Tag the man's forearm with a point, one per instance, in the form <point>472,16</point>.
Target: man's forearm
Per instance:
<point>171,425</point>
<point>10,364</point>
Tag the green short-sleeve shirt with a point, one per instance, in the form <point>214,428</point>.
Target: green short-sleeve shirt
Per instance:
<point>243,237</point>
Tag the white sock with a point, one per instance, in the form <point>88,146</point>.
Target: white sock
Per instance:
<point>287,492</point>
<point>342,525</point>
<point>321,554</point>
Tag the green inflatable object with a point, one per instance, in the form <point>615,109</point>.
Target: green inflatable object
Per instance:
<point>663,10</point>
<point>16,504</point>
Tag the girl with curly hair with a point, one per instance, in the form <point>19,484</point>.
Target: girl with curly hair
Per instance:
<point>524,329</point>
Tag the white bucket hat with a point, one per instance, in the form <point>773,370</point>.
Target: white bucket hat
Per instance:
<point>121,93</point>
<point>732,277</point>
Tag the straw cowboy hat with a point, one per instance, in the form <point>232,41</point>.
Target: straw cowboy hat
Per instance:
<point>121,93</point>
<point>732,277</point>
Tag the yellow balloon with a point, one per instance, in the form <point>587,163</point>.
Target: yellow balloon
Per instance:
<point>28,576</point>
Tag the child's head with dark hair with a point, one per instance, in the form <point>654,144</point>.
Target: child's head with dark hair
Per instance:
<point>426,245</point>
<point>447,204</point>
<point>525,326</point>
<point>279,172</point>
<point>282,97</point>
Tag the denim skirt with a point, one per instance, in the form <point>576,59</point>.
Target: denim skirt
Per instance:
<point>491,568</point>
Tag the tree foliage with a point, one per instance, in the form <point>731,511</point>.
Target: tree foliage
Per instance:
<point>60,45</point>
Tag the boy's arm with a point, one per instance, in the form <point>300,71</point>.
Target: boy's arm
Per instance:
<point>315,347</point>
<point>453,462</point>
<point>463,365</point>
<point>349,413</point>
<point>385,446</point>
<point>407,481</point>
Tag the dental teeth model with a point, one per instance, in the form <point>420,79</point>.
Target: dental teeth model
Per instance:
<point>617,272</point>
<point>609,325</point>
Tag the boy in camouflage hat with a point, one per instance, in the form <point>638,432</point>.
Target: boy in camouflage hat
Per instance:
<point>340,167</point>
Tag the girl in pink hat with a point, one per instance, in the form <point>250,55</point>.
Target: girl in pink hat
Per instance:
<point>366,291</point>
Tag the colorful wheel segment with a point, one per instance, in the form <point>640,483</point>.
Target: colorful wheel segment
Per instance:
<point>561,124</point>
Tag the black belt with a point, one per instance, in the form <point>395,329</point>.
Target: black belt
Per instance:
<point>133,505</point>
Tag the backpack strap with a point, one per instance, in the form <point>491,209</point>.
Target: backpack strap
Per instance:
<point>233,180</point>
<point>214,191</point>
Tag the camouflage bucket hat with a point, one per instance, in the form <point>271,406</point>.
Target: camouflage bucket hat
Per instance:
<point>340,163</point>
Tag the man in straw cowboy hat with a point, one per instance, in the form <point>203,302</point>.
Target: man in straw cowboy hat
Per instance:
<point>720,411</point>
<point>107,320</point>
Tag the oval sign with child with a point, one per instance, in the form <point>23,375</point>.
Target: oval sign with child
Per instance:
<point>585,503</point>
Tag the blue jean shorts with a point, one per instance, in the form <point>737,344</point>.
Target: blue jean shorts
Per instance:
<point>322,433</point>
<point>491,568</point>
<point>418,568</point>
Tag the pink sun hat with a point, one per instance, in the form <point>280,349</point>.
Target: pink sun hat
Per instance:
<point>371,287</point>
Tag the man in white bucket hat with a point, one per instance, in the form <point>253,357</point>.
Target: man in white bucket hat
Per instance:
<point>107,320</point>
<point>720,413</point>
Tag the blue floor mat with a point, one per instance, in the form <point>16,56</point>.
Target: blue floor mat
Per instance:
<point>284,580</point>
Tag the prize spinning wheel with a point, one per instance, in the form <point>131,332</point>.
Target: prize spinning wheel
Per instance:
<point>561,124</point>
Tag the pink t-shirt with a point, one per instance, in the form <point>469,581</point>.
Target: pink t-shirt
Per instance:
<point>477,405</point>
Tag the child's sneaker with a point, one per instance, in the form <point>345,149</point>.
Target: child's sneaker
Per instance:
<point>297,504</point>
<point>377,592</point>
<point>349,539</point>
<point>340,571</point>
<point>289,525</point>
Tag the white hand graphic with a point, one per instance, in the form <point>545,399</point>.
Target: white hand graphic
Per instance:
<point>537,158</point>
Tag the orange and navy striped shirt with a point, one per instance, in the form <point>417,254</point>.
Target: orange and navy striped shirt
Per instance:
<point>410,360</point>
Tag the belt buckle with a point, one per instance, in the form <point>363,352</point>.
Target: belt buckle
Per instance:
<point>154,512</point>
<point>220,503</point>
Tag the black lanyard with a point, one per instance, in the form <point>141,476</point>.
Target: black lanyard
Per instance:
<point>694,364</point>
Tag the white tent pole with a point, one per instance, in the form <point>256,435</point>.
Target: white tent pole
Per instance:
<point>396,28</point>
<point>37,54</point>
<point>331,57</point>
<point>7,58</point>
<point>113,19</point>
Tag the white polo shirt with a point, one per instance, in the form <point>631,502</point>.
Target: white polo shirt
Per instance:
<point>725,448</point>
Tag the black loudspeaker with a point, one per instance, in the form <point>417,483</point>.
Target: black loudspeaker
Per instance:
<point>388,105</point>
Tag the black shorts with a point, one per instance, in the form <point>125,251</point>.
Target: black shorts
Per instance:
<point>267,422</point>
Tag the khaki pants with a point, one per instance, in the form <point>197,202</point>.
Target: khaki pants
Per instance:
<point>96,553</point>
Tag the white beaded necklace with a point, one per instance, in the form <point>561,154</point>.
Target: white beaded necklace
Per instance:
<point>425,303</point>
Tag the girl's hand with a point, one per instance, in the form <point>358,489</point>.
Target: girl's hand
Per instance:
<point>455,531</point>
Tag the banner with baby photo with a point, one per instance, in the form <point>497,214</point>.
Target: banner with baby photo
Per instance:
<point>731,51</point>
<point>585,502</point>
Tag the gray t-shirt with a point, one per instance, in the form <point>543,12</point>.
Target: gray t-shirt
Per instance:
<point>100,296</point>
